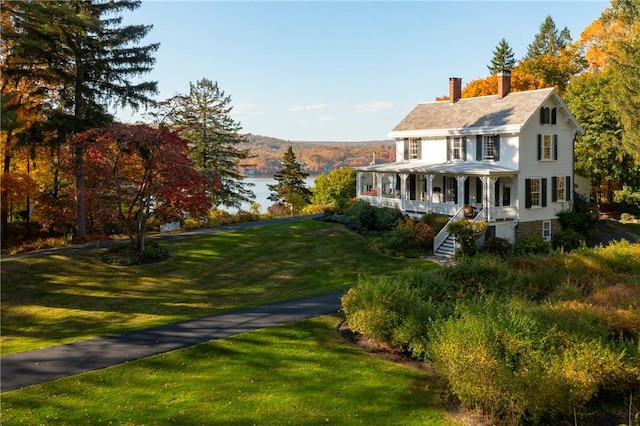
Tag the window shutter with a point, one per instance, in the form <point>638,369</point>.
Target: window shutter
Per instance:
<point>527,193</point>
<point>463,148</point>
<point>419,149</point>
<point>554,189</point>
<point>466,191</point>
<point>454,182</point>
<point>541,115</point>
<point>543,191</point>
<point>478,147</point>
<point>449,148</point>
<point>553,115</point>
<point>496,192</point>
<point>539,147</point>
<point>568,189</point>
<point>478,190</point>
<point>496,148</point>
<point>555,147</point>
<point>406,149</point>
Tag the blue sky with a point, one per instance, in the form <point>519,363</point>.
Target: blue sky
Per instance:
<point>332,70</point>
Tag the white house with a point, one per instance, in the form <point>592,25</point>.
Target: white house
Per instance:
<point>506,159</point>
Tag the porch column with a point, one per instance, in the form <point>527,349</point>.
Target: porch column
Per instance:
<point>358,184</point>
<point>377,177</point>
<point>461,180</point>
<point>403,189</point>
<point>489,185</point>
<point>429,179</point>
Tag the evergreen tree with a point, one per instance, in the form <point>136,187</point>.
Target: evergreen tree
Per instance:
<point>290,187</point>
<point>552,58</point>
<point>548,41</point>
<point>83,58</point>
<point>625,63</point>
<point>503,59</point>
<point>203,118</point>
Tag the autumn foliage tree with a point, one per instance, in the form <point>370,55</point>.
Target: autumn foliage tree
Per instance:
<point>138,171</point>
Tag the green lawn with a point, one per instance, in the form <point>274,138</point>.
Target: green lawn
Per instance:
<point>53,299</point>
<point>301,373</point>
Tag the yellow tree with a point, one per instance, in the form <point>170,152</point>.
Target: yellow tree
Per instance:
<point>520,82</point>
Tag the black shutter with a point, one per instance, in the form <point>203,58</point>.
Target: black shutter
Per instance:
<point>568,189</point>
<point>554,189</point>
<point>555,147</point>
<point>478,147</point>
<point>543,192</point>
<point>541,115</point>
<point>466,191</point>
<point>496,191</point>
<point>478,190</point>
<point>463,148</point>
<point>496,148</point>
<point>406,149</point>
<point>455,189</point>
<point>539,147</point>
<point>554,113</point>
<point>527,193</point>
<point>448,149</point>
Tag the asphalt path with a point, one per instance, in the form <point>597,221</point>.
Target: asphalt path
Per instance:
<point>33,367</point>
<point>43,365</point>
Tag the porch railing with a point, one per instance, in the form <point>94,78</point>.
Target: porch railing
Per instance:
<point>444,233</point>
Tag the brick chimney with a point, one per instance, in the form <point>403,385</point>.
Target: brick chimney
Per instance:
<point>504,83</point>
<point>455,89</point>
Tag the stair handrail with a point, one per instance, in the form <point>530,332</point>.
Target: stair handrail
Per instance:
<point>444,233</point>
<point>482,215</point>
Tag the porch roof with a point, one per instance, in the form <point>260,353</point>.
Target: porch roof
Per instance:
<point>474,168</point>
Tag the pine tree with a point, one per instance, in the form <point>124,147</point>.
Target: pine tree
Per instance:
<point>83,58</point>
<point>503,59</point>
<point>548,41</point>
<point>290,187</point>
<point>203,118</point>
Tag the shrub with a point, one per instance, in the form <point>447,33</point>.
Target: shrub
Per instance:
<point>531,244</point>
<point>497,246</point>
<point>436,221</point>
<point>581,219</point>
<point>467,233</point>
<point>568,240</point>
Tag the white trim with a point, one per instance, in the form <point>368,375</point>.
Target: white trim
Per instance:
<point>464,131</point>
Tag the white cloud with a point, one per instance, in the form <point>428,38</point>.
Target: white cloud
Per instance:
<point>373,107</point>
<point>314,107</point>
<point>326,118</point>
<point>243,110</point>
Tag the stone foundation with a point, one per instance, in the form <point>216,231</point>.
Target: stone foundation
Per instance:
<point>535,228</point>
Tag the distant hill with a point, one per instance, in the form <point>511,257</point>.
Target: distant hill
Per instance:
<point>316,157</point>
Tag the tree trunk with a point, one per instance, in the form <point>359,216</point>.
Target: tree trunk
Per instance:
<point>5,195</point>
<point>81,225</point>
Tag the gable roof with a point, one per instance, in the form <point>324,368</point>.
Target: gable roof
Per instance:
<point>469,115</point>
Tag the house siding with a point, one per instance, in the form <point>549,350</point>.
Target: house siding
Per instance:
<point>531,167</point>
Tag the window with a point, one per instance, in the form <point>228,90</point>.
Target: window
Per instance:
<point>488,151</point>
<point>535,192</point>
<point>488,147</point>
<point>547,147</point>
<point>413,149</point>
<point>451,190</point>
<point>548,115</point>
<point>456,146</point>
<point>546,230</point>
<point>561,188</point>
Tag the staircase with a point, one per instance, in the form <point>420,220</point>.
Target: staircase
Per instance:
<point>447,248</point>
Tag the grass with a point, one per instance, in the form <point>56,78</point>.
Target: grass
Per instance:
<point>53,299</point>
<point>299,373</point>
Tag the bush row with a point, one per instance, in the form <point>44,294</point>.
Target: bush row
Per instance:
<point>526,339</point>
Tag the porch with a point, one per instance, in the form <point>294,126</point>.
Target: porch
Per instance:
<point>473,190</point>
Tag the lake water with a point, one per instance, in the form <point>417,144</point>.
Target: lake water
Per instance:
<point>262,191</point>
